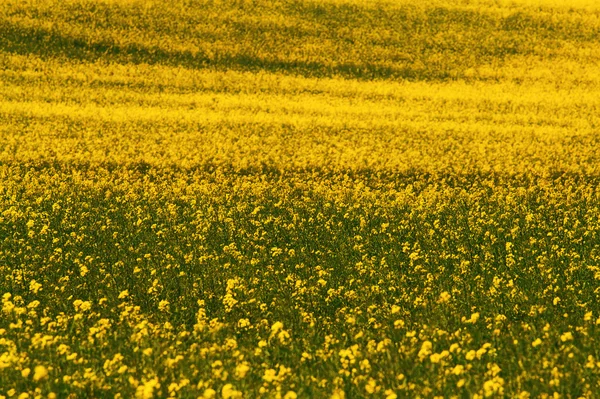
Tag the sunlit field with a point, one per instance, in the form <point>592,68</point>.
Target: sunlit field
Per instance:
<point>299,199</point>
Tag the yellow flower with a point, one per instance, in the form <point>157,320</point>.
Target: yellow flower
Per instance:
<point>270,375</point>
<point>39,373</point>
<point>470,355</point>
<point>537,342</point>
<point>566,337</point>
<point>163,306</point>
<point>473,319</point>
<point>33,304</point>
<point>338,394</point>
<point>283,336</point>
<point>209,393</point>
<point>371,386</point>
<point>82,305</point>
<point>124,294</point>
<point>365,365</point>
<point>556,301</point>
<point>242,369</point>
<point>290,395</point>
<point>242,323</point>
<point>34,286</point>
<point>493,386</point>
<point>25,372</point>
<point>229,392</point>
<point>276,327</point>
<point>425,350</point>
<point>444,297</point>
<point>146,389</point>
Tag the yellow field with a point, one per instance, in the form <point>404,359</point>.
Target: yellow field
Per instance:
<point>299,199</point>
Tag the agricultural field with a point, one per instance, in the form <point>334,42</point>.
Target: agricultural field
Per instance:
<point>299,199</point>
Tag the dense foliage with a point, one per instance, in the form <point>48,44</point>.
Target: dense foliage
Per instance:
<point>296,199</point>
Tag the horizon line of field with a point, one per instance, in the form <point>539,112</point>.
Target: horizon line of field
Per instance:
<point>27,37</point>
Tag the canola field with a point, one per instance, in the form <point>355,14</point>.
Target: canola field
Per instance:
<point>299,199</point>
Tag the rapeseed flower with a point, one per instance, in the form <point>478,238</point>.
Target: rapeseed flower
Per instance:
<point>39,373</point>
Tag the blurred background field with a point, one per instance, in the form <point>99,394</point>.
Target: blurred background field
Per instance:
<point>299,198</point>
